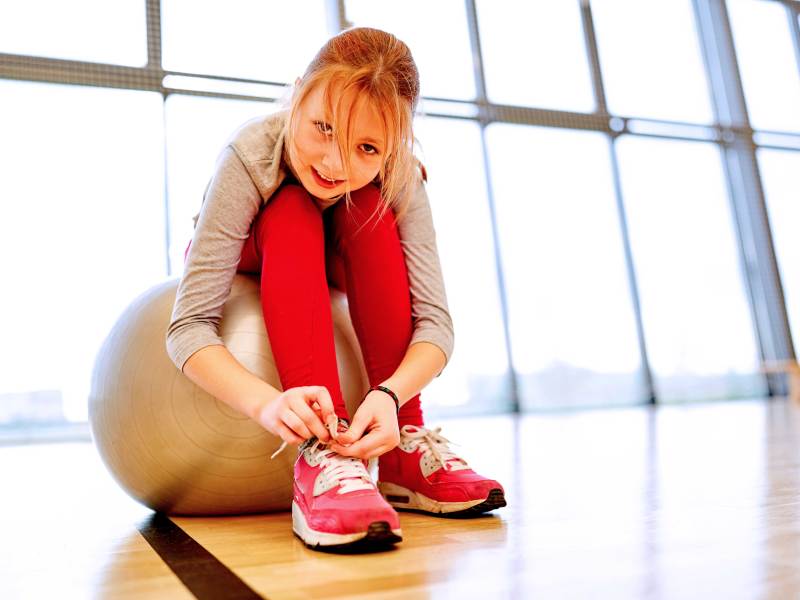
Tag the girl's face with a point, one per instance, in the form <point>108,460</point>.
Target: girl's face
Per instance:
<point>316,159</point>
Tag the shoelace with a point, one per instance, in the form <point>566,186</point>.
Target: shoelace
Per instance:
<point>432,443</point>
<point>349,472</point>
<point>333,428</point>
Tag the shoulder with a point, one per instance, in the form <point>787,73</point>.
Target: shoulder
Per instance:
<point>414,210</point>
<point>259,145</point>
<point>258,138</point>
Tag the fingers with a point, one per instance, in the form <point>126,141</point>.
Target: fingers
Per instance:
<point>361,420</point>
<point>287,435</point>
<point>313,424</point>
<point>322,396</point>
<point>370,446</point>
<point>295,415</point>
<point>295,423</point>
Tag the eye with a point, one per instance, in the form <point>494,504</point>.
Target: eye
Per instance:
<point>323,128</point>
<point>369,149</point>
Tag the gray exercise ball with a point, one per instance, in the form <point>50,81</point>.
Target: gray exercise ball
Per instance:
<point>174,447</point>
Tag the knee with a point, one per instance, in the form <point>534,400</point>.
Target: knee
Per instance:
<point>366,206</point>
<point>290,209</point>
<point>367,199</point>
<point>295,199</point>
<point>293,202</point>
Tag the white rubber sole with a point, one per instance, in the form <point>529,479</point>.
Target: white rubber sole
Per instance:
<point>400,497</point>
<point>322,538</point>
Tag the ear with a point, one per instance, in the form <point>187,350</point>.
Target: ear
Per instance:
<point>294,88</point>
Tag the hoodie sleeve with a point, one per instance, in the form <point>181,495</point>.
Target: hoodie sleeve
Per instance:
<point>230,204</point>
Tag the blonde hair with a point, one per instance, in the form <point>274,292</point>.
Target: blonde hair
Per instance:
<point>379,68</point>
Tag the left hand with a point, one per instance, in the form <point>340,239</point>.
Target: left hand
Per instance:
<point>378,416</point>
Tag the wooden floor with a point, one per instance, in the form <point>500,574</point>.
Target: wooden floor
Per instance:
<point>699,502</point>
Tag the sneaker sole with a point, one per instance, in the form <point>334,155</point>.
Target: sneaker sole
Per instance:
<point>404,499</point>
<point>378,534</point>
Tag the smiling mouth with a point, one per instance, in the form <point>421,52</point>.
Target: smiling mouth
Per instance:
<point>325,181</point>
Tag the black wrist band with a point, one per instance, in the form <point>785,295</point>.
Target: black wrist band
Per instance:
<point>383,388</point>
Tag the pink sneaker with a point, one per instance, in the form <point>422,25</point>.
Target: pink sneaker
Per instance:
<point>336,503</point>
<point>423,474</point>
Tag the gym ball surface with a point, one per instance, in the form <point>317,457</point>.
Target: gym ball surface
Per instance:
<point>174,447</point>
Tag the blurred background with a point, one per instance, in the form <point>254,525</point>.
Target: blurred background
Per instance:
<point>614,185</point>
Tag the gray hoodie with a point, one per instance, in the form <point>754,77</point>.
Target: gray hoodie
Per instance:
<point>248,171</point>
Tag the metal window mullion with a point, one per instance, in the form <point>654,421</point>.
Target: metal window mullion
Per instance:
<point>336,13</point>
<point>593,55</point>
<point>153,11</point>
<point>793,14</point>
<point>757,254</point>
<point>483,120</point>
<point>74,72</point>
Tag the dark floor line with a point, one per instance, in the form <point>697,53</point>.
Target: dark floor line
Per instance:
<point>199,570</point>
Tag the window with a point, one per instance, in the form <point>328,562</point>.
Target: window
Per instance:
<point>108,212</point>
<point>573,334</point>
<point>84,232</point>
<point>250,39</point>
<point>651,61</point>
<point>779,170</point>
<point>436,33</point>
<point>477,377</point>
<point>534,55</point>
<point>698,328</point>
<point>87,30</point>
<point>769,69</point>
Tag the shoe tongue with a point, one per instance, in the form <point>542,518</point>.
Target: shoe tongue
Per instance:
<point>349,459</point>
<point>349,480</point>
<point>454,462</point>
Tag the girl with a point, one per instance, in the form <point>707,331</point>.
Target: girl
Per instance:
<point>328,192</point>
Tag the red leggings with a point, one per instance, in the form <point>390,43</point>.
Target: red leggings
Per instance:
<point>299,251</point>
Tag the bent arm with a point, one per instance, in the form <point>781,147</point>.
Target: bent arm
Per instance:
<point>192,339</point>
<point>432,322</point>
<point>218,372</point>
<point>422,362</point>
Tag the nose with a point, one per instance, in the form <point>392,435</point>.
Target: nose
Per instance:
<point>332,162</point>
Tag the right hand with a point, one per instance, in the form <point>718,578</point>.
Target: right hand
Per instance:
<point>298,414</point>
